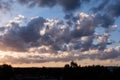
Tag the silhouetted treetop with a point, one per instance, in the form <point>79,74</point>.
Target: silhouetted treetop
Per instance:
<point>6,72</point>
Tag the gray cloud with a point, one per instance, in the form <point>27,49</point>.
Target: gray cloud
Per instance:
<point>57,34</point>
<point>107,11</point>
<point>114,9</point>
<point>75,34</point>
<point>106,21</point>
<point>2,29</point>
<point>84,25</point>
<point>111,53</point>
<point>101,6</point>
<point>41,3</point>
<point>17,38</point>
<point>67,5</point>
<point>5,5</point>
<point>12,42</point>
<point>30,33</point>
<point>68,16</point>
<point>94,54</point>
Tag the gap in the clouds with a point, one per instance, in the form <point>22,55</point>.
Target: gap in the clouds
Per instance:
<point>115,34</point>
<point>100,30</point>
<point>45,12</point>
<point>117,22</point>
<point>113,40</point>
<point>86,8</point>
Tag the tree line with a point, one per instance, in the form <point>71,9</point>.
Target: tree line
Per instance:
<point>70,71</point>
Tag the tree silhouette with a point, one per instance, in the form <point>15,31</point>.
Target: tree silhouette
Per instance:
<point>73,64</point>
<point>67,66</point>
<point>6,72</point>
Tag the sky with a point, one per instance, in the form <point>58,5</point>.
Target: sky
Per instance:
<point>51,33</point>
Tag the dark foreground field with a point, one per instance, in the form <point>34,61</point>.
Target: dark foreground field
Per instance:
<point>68,72</point>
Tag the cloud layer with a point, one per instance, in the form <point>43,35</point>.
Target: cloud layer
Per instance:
<point>57,34</point>
<point>75,37</point>
<point>107,54</point>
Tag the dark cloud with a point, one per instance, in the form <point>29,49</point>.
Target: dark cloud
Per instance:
<point>17,38</point>
<point>60,35</point>
<point>30,32</point>
<point>114,9</point>
<point>5,5</point>
<point>86,42</point>
<point>101,6</point>
<point>106,21</point>
<point>85,1</point>
<point>84,25</point>
<point>2,29</point>
<point>67,5</point>
<point>68,16</point>
<point>40,3</point>
<point>103,20</point>
<point>12,42</point>
<point>54,33</point>
<point>107,11</point>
